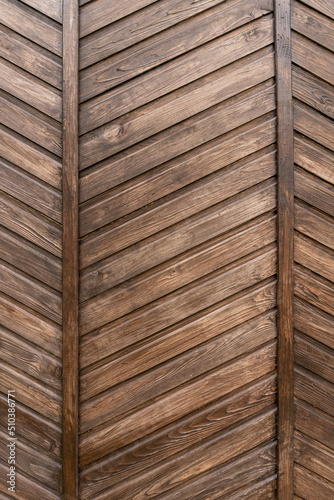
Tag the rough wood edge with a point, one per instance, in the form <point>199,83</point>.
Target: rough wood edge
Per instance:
<point>70,250</point>
<point>285,355</point>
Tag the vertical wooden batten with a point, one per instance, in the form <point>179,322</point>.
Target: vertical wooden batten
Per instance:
<point>70,249</point>
<point>285,247</point>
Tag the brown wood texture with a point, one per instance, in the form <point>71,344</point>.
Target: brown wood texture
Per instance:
<point>313,92</point>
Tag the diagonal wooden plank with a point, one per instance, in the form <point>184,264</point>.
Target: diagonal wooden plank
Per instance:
<point>314,358</point>
<point>314,289</point>
<point>313,25</point>
<point>314,424</point>
<point>313,322</point>
<point>314,125</point>
<point>312,57</point>
<point>313,190</point>
<point>312,91</point>
<point>315,390</point>
<point>314,158</point>
<point>314,457</point>
<point>306,483</point>
<point>314,224</point>
<point>53,8</point>
<point>324,6</point>
<point>314,256</point>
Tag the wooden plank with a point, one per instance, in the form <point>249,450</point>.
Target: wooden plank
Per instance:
<point>264,490</point>
<point>167,409</point>
<point>30,190</point>
<point>199,460</point>
<point>30,292</point>
<point>314,191</point>
<point>42,469</point>
<point>180,271</point>
<point>314,424</point>
<point>316,257</point>
<point>285,216</point>
<point>175,142</point>
<point>314,457</point>
<point>70,242</point>
<point>312,124</point>
<point>30,224</point>
<point>189,65</point>
<point>307,483</point>
<point>314,390</point>
<point>314,289</point>
<point>175,372</point>
<point>313,25</point>
<point>187,201</point>
<point>30,57</point>
<point>27,358</point>
<point>35,430</point>
<point>173,108</point>
<point>157,17</point>
<point>313,91</point>
<point>99,13</point>
<point>246,470</point>
<point>175,438</point>
<point>33,260</point>
<point>314,323</point>
<point>52,9</point>
<point>30,157</point>
<point>30,325</point>
<point>314,224</point>
<point>314,158</point>
<point>314,358</point>
<point>30,89</point>
<point>312,57</point>
<point>31,393</point>
<point>31,24</point>
<point>185,235</point>
<point>324,6</point>
<point>140,192</point>
<point>27,489</point>
<point>228,314</point>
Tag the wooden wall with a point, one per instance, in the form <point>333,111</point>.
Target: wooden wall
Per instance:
<point>181,219</point>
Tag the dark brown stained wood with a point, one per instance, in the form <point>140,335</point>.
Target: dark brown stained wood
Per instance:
<point>30,57</point>
<point>310,485</point>
<point>30,190</point>
<point>147,56</point>
<point>313,25</point>
<point>324,6</point>
<point>235,310</point>
<point>31,24</point>
<point>28,223</point>
<point>208,191</point>
<point>314,224</point>
<point>314,125</point>
<point>33,260</point>
<point>313,91</point>
<point>314,424</point>
<point>208,454</point>
<point>30,157</point>
<point>27,488</point>
<point>312,57</point>
<point>99,13</point>
<point>149,154</point>
<point>34,125</point>
<point>314,289</point>
<point>31,393</point>
<point>183,236</point>
<point>314,390</point>
<point>30,292</point>
<point>314,158</point>
<point>52,9</point>
<point>176,437</point>
<point>314,457</point>
<point>314,323</point>
<point>29,359</point>
<point>177,404</point>
<point>315,358</point>
<point>122,34</point>
<point>173,108</point>
<point>314,191</point>
<point>265,490</point>
<point>30,89</point>
<point>181,270</point>
<point>44,469</point>
<point>250,468</point>
<point>285,215</point>
<point>29,325</point>
<point>173,373</point>
<point>315,256</point>
<point>70,243</point>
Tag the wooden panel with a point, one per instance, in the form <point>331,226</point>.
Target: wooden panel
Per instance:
<point>312,486</point>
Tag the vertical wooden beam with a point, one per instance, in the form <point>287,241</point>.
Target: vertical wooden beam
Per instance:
<point>285,248</point>
<point>70,249</point>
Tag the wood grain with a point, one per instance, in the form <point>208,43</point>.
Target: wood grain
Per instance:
<point>314,457</point>
<point>307,483</point>
<point>314,323</point>
<point>314,390</point>
<point>314,289</point>
<point>313,25</point>
<point>314,125</point>
<point>313,91</point>
<point>312,57</point>
<point>315,358</point>
<point>313,158</point>
<point>313,423</point>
